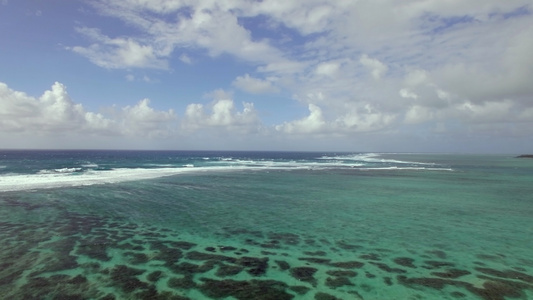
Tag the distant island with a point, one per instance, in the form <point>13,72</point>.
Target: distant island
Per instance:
<point>525,156</point>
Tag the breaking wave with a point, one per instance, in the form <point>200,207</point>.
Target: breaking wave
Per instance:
<point>90,173</point>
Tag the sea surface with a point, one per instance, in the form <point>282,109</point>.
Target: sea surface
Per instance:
<point>264,225</point>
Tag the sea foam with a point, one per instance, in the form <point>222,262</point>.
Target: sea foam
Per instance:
<point>51,179</point>
<point>75,176</point>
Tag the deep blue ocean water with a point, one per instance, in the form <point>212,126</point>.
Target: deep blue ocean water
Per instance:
<point>264,225</point>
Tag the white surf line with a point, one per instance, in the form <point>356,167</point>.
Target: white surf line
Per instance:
<point>20,182</point>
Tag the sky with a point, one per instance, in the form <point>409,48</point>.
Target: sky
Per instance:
<point>314,75</point>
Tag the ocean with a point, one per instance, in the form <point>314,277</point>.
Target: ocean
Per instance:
<point>264,225</point>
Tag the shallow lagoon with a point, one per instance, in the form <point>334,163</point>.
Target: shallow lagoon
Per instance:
<point>458,230</point>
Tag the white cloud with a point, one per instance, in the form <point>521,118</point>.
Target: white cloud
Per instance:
<point>55,113</point>
<point>416,77</point>
<point>362,119</point>
<point>329,69</point>
<point>406,93</point>
<point>221,114</point>
<point>419,114</point>
<point>313,123</point>
<point>255,85</point>
<point>185,59</point>
<point>141,118</point>
<point>377,68</point>
<point>488,112</point>
<point>119,53</point>
<point>210,25</point>
<point>359,66</point>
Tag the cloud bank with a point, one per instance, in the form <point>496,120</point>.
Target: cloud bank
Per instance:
<point>425,71</point>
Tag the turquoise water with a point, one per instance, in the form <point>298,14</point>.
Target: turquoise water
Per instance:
<point>236,225</point>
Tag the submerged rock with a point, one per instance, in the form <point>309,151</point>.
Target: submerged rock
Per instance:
<point>324,296</point>
<point>253,289</point>
<point>405,262</point>
<point>304,274</point>
<point>451,273</point>
<point>335,282</point>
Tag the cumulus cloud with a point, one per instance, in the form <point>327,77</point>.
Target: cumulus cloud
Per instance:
<point>329,69</point>
<point>419,114</point>
<point>358,66</point>
<point>356,120</point>
<point>377,68</point>
<point>255,85</point>
<point>142,118</point>
<point>221,114</point>
<point>406,93</point>
<point>313,123</point>
<point>56,113</point>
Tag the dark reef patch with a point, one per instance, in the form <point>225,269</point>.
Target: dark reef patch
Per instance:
<point>182,283</point>
<point>256,266</point>
<point>228,270</point>
<point>137,258</point>
<point>195,255</point>
<point>299,289</point>
<point>499,290</point>
<point>128,246</point>
<point>457,295</point>
<point>507,274</point>
<point>310,242</point>
<point>304,274</point>
<point>283,265</point>
<point>126,278</point>
<point>387,280</point>
<point>489,257</point>
<point>286,238</point>
<point>451,273</point>
<point>434,283</point>
<point>316,260</point>
<point>347,264</point>
<point>325,296</point>
<point>315,253</point>
<point>370,256</point>
<point>432,264</point>
<point>335,282</point>
<point>346,246</point>
<point>493,289</point>
<point>243,231</point>
<point>253,289</point>
<point>438,253</point>
<point>186,268</point>
<point>387,268</point>
<point>405,262</point>
<point>182,245</point>
<point>345,273</point>
<point>165,253</point>
<point>226,248</point>
<point>94,249</point>
<point>154,276</point>
<point>272,244</point>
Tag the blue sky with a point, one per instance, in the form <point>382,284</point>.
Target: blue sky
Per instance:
<point>416,76</point>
